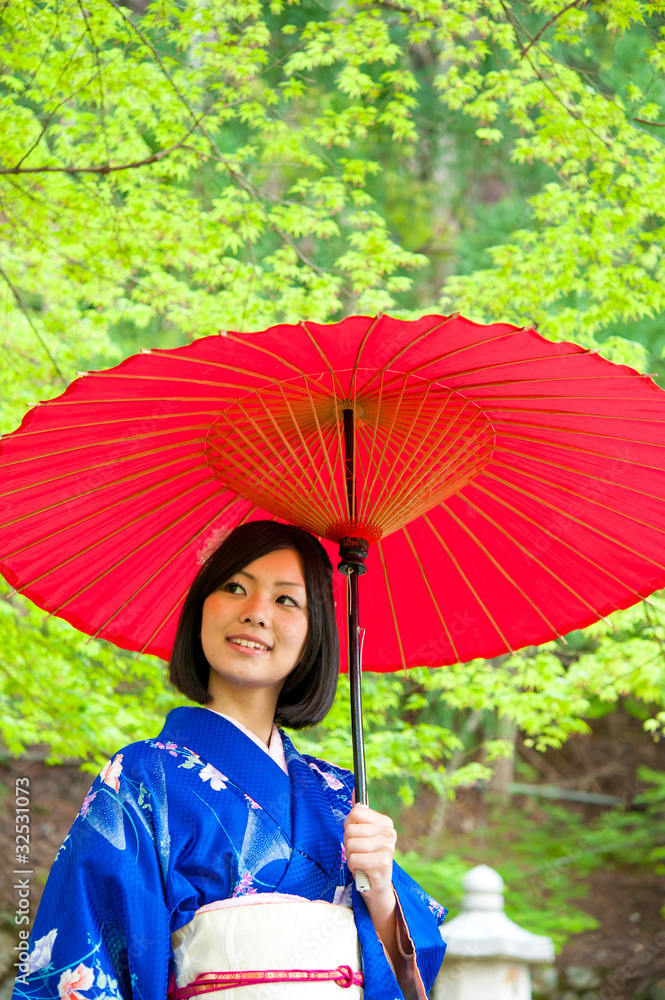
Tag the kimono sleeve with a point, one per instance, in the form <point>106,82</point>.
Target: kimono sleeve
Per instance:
<point>102,928</point>
<point>419,938</point>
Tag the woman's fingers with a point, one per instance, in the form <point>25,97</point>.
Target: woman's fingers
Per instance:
<point>369,843</point>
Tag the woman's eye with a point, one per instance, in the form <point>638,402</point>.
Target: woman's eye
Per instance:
<point>234,587</point>
<point>292,603</point>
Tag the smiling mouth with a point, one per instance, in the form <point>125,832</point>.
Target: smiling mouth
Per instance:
<point>248,644</point>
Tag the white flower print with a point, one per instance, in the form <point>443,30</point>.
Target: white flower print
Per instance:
<point>40,956</point>
<point>215,777</point>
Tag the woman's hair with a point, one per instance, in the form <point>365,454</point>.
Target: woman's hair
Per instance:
<point>309,690</point>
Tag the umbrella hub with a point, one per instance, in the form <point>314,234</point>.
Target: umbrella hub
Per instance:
<point>353,552</point>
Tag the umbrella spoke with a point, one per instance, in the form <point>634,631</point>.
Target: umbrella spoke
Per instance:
<point>472,589</point>
<point>560,541</point>
<point>581,496</point>
<point>571,517</point>
<point>435,603</point>
<point>497,565</point>
<point>392,606</point>
<point>583,432</point>
<point>512,538</point>
<point>93,468</point>
<point>160,484</point>
<point>361,347</point>
<point>231,453</point>
<point>331,368</point>
<point>106,538</point>
<point>109,441</point>
<point>572,470</point>
<point>161,569</point>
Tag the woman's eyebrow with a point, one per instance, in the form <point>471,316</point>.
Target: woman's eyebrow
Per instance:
<point>278,583</point>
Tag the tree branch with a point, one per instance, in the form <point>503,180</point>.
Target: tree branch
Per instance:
<point>32,326</point>
<point>105,168</point>
<point>575,3</point>
<point>644,121</point>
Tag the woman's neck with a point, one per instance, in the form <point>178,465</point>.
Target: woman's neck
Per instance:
<point>252,709</point>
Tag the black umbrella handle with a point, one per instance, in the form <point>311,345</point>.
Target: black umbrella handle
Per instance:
<point>355,679</point>
<point>353,552</point>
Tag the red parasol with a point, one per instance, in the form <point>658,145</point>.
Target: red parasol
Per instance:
<point>510,489</point>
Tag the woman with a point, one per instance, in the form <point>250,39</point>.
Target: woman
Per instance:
<point>196,853</point>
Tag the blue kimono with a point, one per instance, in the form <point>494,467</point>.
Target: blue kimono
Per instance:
<point>197,815</point>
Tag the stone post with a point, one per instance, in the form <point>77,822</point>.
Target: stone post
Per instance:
<point>488,955</point>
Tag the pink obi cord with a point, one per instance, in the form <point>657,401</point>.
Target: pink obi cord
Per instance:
<point>212,982</point>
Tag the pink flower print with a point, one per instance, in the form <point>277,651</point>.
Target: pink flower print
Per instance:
<point>244,886</point>
<point>343,853</point>
<point>81,978</point>
<point>160,745</point>
<point>216,778</point>
<point>87,802</point>
<point>331,780</point>
<point>251,801</point>
<point>172,747</point>
<point>110,774</point>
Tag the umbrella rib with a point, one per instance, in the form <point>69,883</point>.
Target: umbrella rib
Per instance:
<point>322,355</point>
<point>438,358</point>
<point>575,471</point>
<point>105,442</point>
<point>304,504</point>
<point>307,449</point>
<point>571,517</point>
<point>558,540</point>
<point>511,580</point>
<point>548,411</point>
<point>412,343</point>
<point>115,420</point>
<point>581,496</point>
<point>364,501</point>
<point>461,572</point>
<point>343,501</point>
<point>475,369</point>
<point>99,465</point>
<point>431,594</point>
<point>240,462</point>
<point>103,510</point>
<point>535,559</point>
<point>370,329</point>
<point>247,341</point>
<point>392,606</point>
<point>161,569</point>
<point>404,441</point>
<point>577,450</point>
<point>378,464</point>
<point>427,455</point>
<point>101,541</point>
<point>577,432</point>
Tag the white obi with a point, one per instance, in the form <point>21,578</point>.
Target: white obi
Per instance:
<point>269,931</point>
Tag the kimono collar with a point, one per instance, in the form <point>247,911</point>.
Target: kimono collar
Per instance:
<point>227,748</point>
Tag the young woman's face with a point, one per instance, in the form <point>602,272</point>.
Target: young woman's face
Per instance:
<point>254,628</point>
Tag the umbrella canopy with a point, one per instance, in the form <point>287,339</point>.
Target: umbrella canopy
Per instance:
<point>511,489</point>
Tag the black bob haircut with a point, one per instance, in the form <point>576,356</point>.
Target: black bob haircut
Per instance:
<point>309,690</point>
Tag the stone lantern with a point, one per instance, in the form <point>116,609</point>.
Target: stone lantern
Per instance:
<point>488,955</point>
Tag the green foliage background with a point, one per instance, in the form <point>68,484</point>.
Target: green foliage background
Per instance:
<point>174,168</point>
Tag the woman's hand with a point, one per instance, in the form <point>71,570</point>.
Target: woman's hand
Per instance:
<point>369,844</point>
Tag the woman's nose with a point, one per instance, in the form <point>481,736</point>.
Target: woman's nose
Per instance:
<point>256,611</point>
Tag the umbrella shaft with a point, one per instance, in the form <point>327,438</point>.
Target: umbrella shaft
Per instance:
<point>356,694</point>
<point>349,457</point>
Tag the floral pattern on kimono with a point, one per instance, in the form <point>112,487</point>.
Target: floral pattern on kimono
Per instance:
<point>197,815</point>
